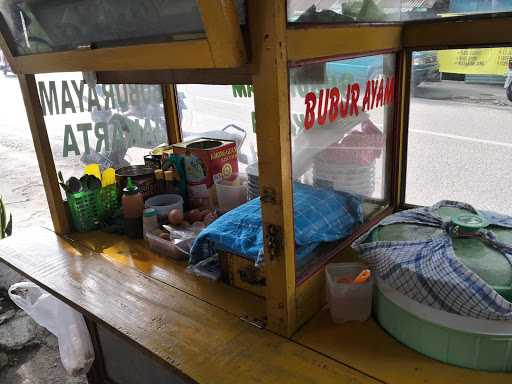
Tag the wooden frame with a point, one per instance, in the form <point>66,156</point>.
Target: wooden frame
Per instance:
<point>270,82</point>
<point>459,33</point>
<point>322,42</point>
<point>275,46</point>
<point>170,100</point>
<point>289,303</point>
<point>44,153</point>
<point>223,47</point>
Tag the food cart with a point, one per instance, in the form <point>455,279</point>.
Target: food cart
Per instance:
<point>150,320</point>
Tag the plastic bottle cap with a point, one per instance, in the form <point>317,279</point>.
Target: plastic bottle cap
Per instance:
<point>470,222</point>
<point>149,212</point>
<point>131,189</point>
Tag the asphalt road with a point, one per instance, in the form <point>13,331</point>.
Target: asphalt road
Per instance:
<point>460,145</point>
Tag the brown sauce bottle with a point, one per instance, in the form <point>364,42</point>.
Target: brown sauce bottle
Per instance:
<point>133,208</point>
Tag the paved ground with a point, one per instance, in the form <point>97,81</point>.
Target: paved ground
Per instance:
<point>28,353</point>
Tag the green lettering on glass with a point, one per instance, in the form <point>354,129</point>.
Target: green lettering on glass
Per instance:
<point>85,128</point>
<point>79,93</point>
<point>101,133</point>
<point>70,144</point>
<point>93,100</point>
<point>108,92</point>
<point>48,101</point>
<point>67,99</point>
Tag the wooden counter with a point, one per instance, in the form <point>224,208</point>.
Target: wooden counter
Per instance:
<point>201,341</point>
<point>369,349</point>
<point>195,325</point>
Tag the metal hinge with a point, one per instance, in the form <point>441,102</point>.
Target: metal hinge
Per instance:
<point>268,195</point>
<point>273,239</point>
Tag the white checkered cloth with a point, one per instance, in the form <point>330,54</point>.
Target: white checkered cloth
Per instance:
<point>429,272</point>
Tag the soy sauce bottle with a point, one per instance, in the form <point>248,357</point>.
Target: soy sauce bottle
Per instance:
<point>133,208</point>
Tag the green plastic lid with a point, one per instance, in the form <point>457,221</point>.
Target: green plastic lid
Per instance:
<point>149,212</point>
<point>488,263</point>
<point>130,189</point>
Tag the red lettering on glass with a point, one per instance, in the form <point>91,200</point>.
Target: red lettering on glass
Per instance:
<point>334,101</point>
<point>323,100</point>
<point>309,119</point>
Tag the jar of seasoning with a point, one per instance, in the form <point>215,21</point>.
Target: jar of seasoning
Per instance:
<point>149,221</point>
<point>160,182</point>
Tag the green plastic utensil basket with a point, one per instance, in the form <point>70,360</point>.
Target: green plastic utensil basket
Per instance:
<point>89,208</point>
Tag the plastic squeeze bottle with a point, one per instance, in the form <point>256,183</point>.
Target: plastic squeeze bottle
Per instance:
<point>133,207</point>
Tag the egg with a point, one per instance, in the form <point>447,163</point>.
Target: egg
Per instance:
<point>209,218</point>
<point>175,217</point>
<point>193,215</point>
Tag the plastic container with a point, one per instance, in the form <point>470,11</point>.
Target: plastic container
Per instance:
<point>348,301</point>
<point>89,208</point>
<point>163,204</point>
<point>466,342</point>
<point>167,247</point>
<point>230,196</point>
<point>149,221</point>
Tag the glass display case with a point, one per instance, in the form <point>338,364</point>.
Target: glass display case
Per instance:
<point>341,124</point>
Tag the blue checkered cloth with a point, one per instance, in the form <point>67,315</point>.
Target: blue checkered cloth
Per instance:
<point>321,215</point>
<point>429,272</point>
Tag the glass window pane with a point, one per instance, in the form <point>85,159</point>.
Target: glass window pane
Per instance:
<point>459,130</point>
<point>56,25</point>
<point>222,112</point>
<point>112,125</point>
<point>341,118</point>
<point>349,11</point>
<point>343,11</point>
<point>430,9</point>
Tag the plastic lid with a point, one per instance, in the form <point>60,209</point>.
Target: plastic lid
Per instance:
<point>470,222</point>
<point>488,263</point>
<point>130,189</point>
<point>149,212</point>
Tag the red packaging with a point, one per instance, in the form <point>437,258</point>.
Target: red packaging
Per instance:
<point>207,161</point>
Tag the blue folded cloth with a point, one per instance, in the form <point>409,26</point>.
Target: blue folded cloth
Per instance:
<point>321,215</point>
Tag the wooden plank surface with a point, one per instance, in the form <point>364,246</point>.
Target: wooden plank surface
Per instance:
<point>449,33</point>
<point>169,55</point>
<point>135,254</point>
<point>368,348</point>
<point>330,41</point>
<point>222,26</point>
<point>201,341</point>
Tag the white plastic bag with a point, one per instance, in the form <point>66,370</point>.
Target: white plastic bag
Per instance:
<point>75,346</point>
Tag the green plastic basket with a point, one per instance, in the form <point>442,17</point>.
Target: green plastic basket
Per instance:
<point>89,208</point>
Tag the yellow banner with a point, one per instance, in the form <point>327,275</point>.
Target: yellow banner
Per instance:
<point>485,61</point>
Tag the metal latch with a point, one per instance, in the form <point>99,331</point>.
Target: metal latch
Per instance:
<point>273,239</point>
<point>268,195</point>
